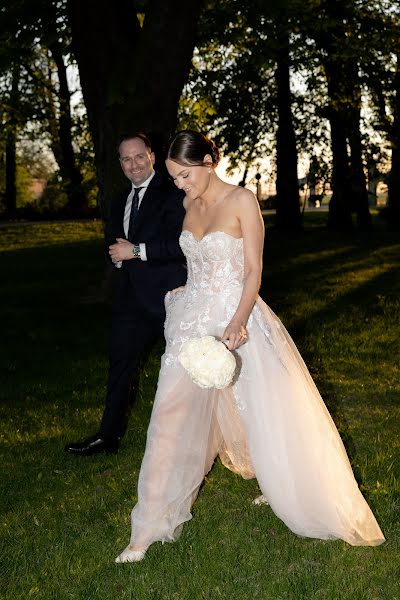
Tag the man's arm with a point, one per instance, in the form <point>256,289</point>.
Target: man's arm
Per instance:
<point>114,225</point>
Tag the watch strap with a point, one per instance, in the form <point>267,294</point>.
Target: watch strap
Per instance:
<point>136,251</point>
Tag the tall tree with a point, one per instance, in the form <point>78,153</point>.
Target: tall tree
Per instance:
<point>331,33</point>
<point>132,67</point>
<point>288,206</point>
<point>381,77</point>
<point>241,79</point>
<point>31,26</point>
<point>70,172</point>
<point>358,181</point>
<point>11,127</point>
<point>394,176</point>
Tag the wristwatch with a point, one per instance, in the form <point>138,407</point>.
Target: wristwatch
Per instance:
<point>136,251</point>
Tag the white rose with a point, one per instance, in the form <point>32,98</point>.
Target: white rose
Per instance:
<point>208,362</point>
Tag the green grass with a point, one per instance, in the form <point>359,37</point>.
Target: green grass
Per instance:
<point>63,520</point>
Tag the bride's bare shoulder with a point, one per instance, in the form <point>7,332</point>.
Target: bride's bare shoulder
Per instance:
<point>240,195</point>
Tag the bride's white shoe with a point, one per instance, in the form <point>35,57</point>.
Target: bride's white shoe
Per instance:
<point>260,500</point>
<point>129,555</point>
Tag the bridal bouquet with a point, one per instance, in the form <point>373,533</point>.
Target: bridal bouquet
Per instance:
<point>208,362</point>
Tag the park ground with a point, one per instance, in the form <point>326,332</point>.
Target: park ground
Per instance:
<point>64,519</point>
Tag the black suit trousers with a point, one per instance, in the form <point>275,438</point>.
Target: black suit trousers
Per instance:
<point>133,332</point>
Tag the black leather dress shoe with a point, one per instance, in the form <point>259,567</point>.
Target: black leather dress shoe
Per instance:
<point>93,445</point>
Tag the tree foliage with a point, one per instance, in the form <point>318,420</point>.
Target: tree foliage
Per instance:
<point>35,38</point>
<point>275,82</point>
<point>338,53</point>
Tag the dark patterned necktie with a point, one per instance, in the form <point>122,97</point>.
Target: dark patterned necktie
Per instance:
<point>134,212</point>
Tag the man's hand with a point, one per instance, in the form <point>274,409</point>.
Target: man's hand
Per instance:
<point>122,250</point>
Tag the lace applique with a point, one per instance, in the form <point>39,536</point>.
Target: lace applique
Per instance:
<point>215,263</point>
<point>210,298</point>
<point>263,325</point>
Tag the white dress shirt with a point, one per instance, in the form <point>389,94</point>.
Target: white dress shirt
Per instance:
<point>127,214</point>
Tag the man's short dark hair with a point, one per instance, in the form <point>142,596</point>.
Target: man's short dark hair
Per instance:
<point>136,134</point>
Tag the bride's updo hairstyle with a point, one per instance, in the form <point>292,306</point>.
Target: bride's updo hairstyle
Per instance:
<point>190,147</point>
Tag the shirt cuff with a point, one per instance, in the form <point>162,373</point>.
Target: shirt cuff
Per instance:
<point>118,264</point>
<point>143,255</point>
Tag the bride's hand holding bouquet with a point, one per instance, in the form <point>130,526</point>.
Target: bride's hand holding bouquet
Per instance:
<point>235,335</point>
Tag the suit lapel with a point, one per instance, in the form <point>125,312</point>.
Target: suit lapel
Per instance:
<point>121,208</point>
<point>118,213</point>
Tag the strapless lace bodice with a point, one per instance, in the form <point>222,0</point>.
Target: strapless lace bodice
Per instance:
<point>212,292</point>
<point>215,263</point>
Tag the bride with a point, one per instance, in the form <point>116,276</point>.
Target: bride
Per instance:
<point>271,423</point>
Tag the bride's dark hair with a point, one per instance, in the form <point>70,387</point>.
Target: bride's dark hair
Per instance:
<point>190,147</point>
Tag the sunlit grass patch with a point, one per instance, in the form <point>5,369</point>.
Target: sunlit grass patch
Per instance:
<point>15,236</point>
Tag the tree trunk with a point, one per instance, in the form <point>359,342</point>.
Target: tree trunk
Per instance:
<point>357,174</point>
<point>288,216</point>
<point>339,216</point>
<point>333,41</point>
<point>372,188</point>
<point>45,90</point>
<point>359,182</point>
<point>10,150</point>
<point>71,175</point>
<point>340,205</point>
<point>131,76</point>
<point>394,175</point>
<point>11,175</point>
<point>242,182</point>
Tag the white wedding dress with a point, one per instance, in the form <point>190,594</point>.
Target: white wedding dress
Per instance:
<point>270,424</point>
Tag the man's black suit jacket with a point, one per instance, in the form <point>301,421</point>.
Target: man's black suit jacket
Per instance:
<point>158,224</point>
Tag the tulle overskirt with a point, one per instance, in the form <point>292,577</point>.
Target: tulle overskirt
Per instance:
<point>270,424</point>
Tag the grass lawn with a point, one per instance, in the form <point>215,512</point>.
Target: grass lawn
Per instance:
<point>65,519</point>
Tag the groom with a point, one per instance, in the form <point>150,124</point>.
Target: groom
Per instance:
<point>142,239</point>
